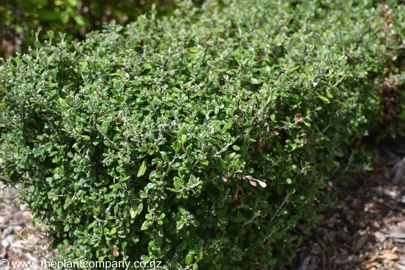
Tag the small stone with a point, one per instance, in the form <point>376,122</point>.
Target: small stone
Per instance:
<point>361,242</point>
<point>5,243</point>
<point>2,252</point>
<point>17,229</point>
<point>331,236</point>
<point>2,220</point>
<point>305,263</point>
<point>380,237</point>
<point>375,224</point>
<point>316,250</point>
<point>6,232</point>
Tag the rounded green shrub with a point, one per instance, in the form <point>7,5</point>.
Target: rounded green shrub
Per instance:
<point>201,139</point>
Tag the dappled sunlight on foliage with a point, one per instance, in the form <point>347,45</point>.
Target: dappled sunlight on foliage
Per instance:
<point>200,139</point>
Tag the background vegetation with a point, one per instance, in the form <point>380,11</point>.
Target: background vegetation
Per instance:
<point>201,139</point>
<point>20,20</point>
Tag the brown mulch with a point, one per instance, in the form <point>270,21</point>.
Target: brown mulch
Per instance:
<point>20,240</point>
<point>366,230</point>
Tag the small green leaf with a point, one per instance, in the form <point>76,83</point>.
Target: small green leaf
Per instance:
<point>189,259</point>
<point>164,156</point>
<point>294,68</point>
<point>178,184</point>
<point>104,127</point>
<point>80,20</point>
<point>323,98</point>
<point>328,94</point>
<point>179,225</point>
<point>142,169</point>
<point>85,137</point>
<point>145,258</point>
<point>62,102</point>
<point>255,81</point>
<point>132,212</point>
<point>72,3</point>
<point>205,162</point>
<point>140,207</point>
<point>145,225</point>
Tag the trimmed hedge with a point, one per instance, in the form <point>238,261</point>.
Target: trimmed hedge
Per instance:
<point>199,140</point>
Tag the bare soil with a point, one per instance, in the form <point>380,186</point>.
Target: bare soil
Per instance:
<point>366,230</point>
<point>20,240</point>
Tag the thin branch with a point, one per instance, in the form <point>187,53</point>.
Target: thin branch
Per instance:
<point>188,188</point>
<point>105,136</point>
<point>225,148</point>
<point>275,214</point>
<point>294,124</point>
<point>349,162</point>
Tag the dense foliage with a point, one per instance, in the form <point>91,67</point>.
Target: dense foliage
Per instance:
<point>201,139</point>
<point>20,19</point>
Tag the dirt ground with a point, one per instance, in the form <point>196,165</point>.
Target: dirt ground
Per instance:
<point>19,239</point>
<point>367,228</point>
